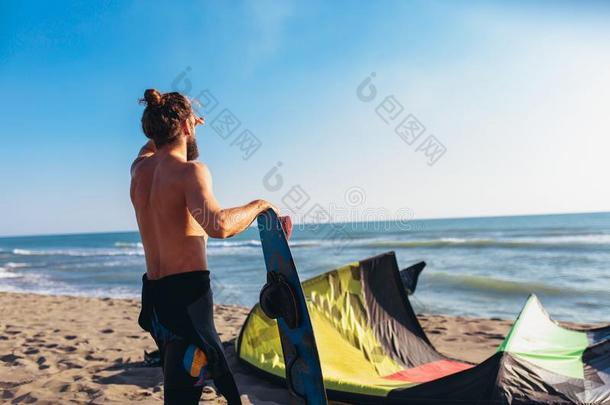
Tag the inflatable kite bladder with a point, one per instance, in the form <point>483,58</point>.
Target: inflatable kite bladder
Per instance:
<point>373,349</point>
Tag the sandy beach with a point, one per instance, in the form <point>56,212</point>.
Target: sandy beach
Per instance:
<point>89,350</point>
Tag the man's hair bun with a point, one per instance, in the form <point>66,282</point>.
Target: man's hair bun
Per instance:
<point>152,97</point>
<point>164,115</point>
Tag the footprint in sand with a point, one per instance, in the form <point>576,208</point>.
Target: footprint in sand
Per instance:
<point>70,337</point>
<point>10,358</point>
<point>70,364</point>
<point>6,394</point>
<point>31,350</point>
<point>25,399</point>
<point>41,363</point>
<point>107,331</point>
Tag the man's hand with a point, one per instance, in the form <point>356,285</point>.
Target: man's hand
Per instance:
<point>147,150</point>
<point>266,204</point>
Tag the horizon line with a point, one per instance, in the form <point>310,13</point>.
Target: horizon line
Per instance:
<point>332,222</point>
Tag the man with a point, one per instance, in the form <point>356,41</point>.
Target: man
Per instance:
<point>176,211</point>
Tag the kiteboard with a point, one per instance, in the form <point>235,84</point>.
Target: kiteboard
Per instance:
<point>282,299</point>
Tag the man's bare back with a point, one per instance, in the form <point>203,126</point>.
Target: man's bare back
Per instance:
<point>173,241</point>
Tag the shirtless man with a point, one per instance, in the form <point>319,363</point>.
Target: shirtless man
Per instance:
<point>176,211</point>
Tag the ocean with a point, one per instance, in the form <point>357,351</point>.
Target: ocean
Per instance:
<point>481,267</point>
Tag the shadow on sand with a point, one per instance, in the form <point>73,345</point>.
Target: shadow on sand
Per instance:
<point>257,390</point>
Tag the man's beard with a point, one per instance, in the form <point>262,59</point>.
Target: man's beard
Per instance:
<point>192,151</point>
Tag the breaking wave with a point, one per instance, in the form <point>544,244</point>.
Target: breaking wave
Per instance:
<point>503,286</point>
<point>561,242</point>
<point>129,245</point>
<point>77,252</point>
<point>5,273</point>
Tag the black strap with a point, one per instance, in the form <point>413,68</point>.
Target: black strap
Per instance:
<point>278,300</point>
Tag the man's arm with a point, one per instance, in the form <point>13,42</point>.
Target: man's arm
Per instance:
<point>202,204</point>
<point>147,150</point>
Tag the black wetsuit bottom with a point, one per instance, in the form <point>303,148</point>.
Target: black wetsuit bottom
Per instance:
<point>177,310</point>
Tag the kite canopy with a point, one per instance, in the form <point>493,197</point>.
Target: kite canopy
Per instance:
<point>373,349</point>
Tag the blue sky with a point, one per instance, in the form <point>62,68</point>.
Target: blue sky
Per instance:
<point>518,95</point>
